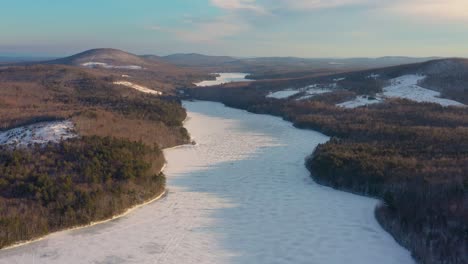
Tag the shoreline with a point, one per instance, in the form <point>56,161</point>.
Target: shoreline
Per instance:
<point>322,183</point>
<point>95,223</point>
<point>91,224</point>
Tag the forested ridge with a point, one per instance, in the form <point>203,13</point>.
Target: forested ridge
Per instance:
<point>414,156</point>
<point>115,162</point>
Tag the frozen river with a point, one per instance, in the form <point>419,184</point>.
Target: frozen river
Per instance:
<point>241,195</point>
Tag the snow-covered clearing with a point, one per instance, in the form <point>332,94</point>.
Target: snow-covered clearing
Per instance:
<point>373,76</point>
<point>40,133</point>
<point>109,66</point>
<point>406,87</point>
<point>314,90</point>
<point>140,88</point>
<point>310,91</point>
<point>224,78</point>
<point>283,94</point>
<point>241,195</point>
<point>361,100</point>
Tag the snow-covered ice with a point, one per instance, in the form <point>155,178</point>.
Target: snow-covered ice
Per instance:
<point>40,133</point>
<point>140,88</point>
<point>241,195</point>
<point>109,66</point>
<point>407,87</point>
<point>359,101</point>
<point>224,78</point>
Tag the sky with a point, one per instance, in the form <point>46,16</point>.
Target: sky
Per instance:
<point>300,28</point>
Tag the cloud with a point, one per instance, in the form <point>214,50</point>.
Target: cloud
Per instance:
<point>307,5</point>
<point>446,10</point>
<point>214,31</point>
<point>241,16</point>
<point>240,5</point>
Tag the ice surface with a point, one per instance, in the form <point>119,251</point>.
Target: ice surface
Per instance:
<point>241,195</point>
<point>140,88</point>
<point>224,78</point>
<point>40,133</point>
<point>109,66</point>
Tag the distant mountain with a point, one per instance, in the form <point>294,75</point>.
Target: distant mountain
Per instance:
<point>22,59</point>
<point>198,60</point>
<point>109,58</point>
<point>147,71</point>
<point>285,67</point>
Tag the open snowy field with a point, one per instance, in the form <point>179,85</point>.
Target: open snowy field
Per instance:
<point>283,94</point>
<point>109,66</point>
<point>224,78</point>
<point>310,91</point>
<point>241,195</point>
<point>40,133</point>
<point>360,101</point>
<point>137,87</point>
<point>406,87</point>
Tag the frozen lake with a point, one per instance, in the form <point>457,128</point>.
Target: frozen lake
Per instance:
<point>241,195</point>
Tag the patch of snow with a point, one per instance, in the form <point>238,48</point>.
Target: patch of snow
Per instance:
<point>40,133</point>
<point>108,66</point>
<point>241,195</point>
<point>407,87</point>
<point>360,101</point>
<point>373,76</point>
<point>224,78</point>
<point>310,91</point>
<point>339,79</point>
<point>125,76</point>
<point>314,90</point>
<point>140,88</point>
<point>283,94</point>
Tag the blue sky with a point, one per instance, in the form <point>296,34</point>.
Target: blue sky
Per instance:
<point>304,28</point>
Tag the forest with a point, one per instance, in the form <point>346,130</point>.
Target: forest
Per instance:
<point>413,156</point>
<point>114,164</point>
<point>73,183</point>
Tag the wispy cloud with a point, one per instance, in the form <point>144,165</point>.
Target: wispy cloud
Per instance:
<point>240,5</point>
<point>213,30</point>
<point>446,10</point>
<point>307,5</point>
<point>243,16</point>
